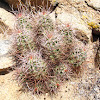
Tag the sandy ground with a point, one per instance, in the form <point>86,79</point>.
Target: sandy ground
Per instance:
<point>74,89</point>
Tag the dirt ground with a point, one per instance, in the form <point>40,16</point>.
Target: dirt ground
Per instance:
<point>86,87</point>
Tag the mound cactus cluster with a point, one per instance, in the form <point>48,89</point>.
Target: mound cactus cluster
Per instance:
<point>44,51</point>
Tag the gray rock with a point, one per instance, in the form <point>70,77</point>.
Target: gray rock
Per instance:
<point>6,60</point>
<point>5,45</point>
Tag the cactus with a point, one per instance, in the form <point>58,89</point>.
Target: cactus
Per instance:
<point>45,51</point>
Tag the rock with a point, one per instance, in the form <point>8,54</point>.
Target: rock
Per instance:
<point>6,60</point>
<point>82,37</point>
<point>4,47</point>
<point>3,27</point>
<point>5,63</point>
<point>68,14</point>
<point>94,4</point>
<point>7,20</point>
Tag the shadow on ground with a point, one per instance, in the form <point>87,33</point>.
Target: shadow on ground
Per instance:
<point>5,6</point>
